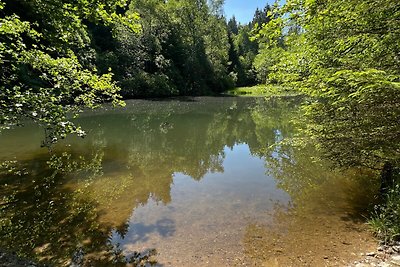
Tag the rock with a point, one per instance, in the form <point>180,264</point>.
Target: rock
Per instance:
<point>397,257</point>
<point>371,254</point>
<point>395,260</point>
<point>390,250</point>
<point>362,265</point>
<point>383,264</point>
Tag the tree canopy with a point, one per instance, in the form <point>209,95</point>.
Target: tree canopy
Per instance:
<point>45,69</point>
<point>345,54</point>
<point>59,57</point>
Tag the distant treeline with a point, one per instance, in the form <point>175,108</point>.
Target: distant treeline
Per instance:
<point>170,47</point>
<point>183,48</point>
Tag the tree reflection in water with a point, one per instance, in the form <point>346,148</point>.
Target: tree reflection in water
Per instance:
<point>325,225</point>
<point>73,203</point>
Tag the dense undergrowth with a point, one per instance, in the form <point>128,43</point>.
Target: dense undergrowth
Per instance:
<point>385,219</point>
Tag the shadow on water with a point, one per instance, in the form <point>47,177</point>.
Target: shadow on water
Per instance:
<point>77,204</point>
<point>327,214</point>
<point>45,220</point>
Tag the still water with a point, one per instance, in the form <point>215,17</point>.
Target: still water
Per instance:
<point>187,182</point>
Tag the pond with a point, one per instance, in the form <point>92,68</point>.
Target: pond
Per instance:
<point>185,182</point>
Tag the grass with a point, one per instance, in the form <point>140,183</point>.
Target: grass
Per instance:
<point>385,219</point>
<point>261,90</point>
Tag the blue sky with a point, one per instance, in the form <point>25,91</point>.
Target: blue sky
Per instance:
<point>244,9</point>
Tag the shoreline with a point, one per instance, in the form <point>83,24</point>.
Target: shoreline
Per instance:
<point>383,256</point>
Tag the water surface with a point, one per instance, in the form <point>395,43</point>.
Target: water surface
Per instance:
<point>193,182</point>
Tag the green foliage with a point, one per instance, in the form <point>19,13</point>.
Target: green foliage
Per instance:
<point>59,57</point>
<point>265,63</point>
<point>261,90</point>
<point>344,54</point>
<point>148,85</point>
<point>181,50</point>
<point>243,48</point>
<point>246,51</point>
<point>43,78</point>
<point>385,220</point>
<point>357,124</point>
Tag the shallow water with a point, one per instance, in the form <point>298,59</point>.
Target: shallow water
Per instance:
<point>193,182</point>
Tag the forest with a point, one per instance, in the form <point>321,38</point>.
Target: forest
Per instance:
<point>60,58</point>
<point>57,56</point>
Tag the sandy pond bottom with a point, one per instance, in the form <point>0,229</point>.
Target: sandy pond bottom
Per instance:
<point>310,242</point>
<point>240,218</point>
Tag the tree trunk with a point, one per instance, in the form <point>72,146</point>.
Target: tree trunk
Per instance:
<point>387,181</point>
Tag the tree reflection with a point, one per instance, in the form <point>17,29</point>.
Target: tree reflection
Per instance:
<point>325,221</point>
<point>64,207</point>
<point>42,218</point>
